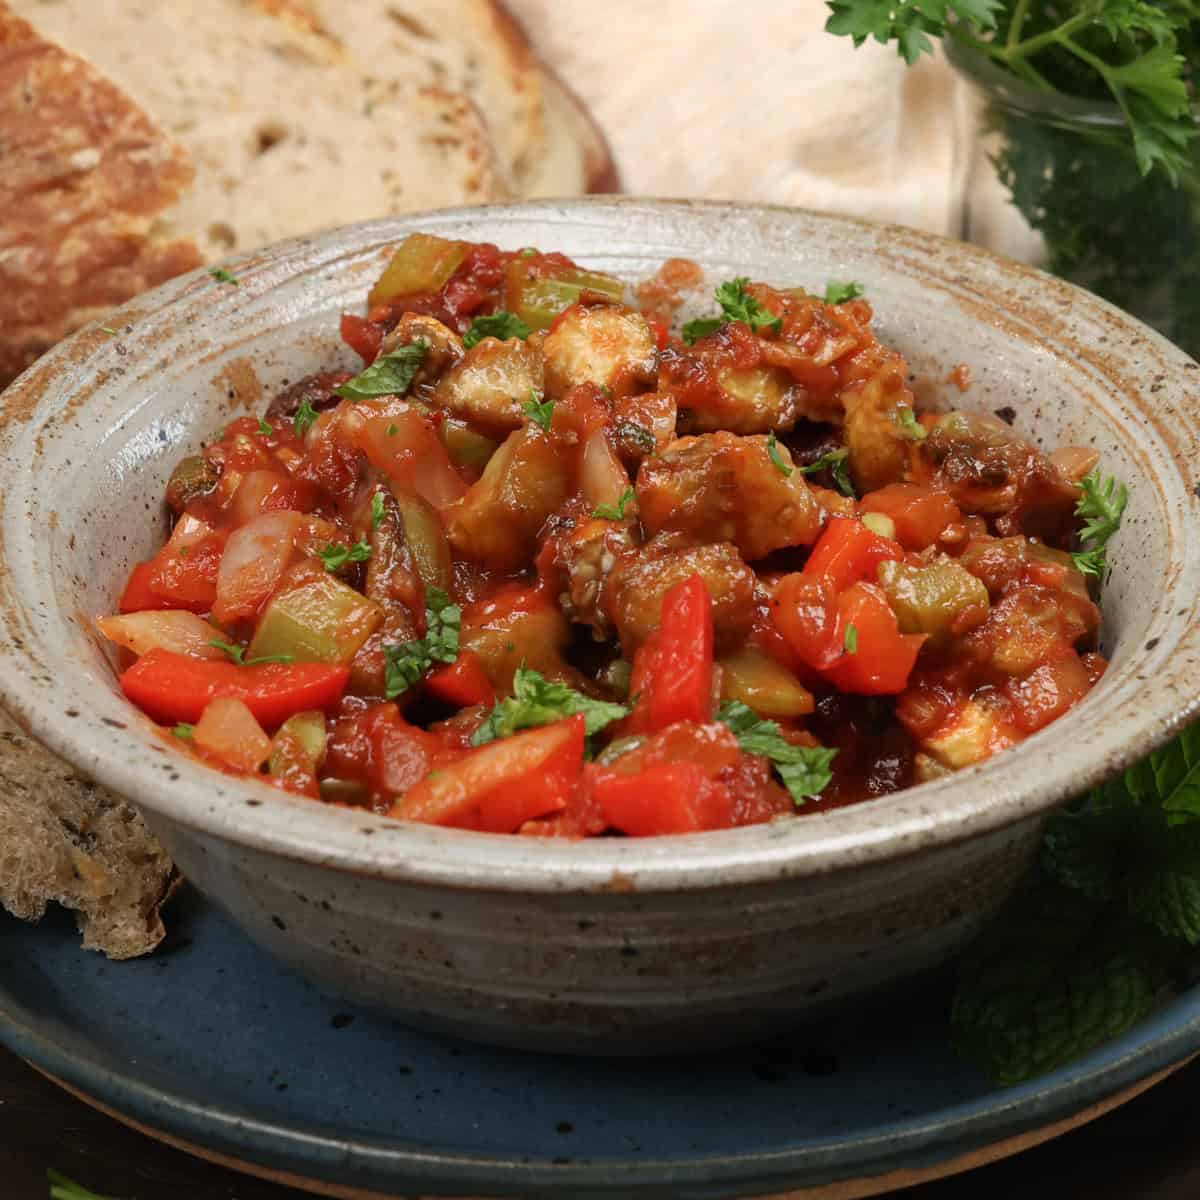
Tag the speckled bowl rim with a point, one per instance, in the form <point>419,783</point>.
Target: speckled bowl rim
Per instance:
<point>1146,702</point>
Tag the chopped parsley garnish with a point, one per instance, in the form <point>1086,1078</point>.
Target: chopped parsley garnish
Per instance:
<point>237,655</point>
<point>538,411</point>
<point>265,427</point>
<point>805,770</point>
<point>376,510</point>
<point>637,436</point>
<point>184,731</point>
<point>62,1188</point>
<point>610,512</point>
<point>391,374</point>
<point>836,463</point>
<point>850,640</point>
<point>909,425</point>
<point>536,701</point>
<point>223,276</point>
<point>305,416</point>
<point>106,329</point>
<point>502,325</point>
<point>1101,504</point>
<point>737,305</point>
<point>335,556</point>
<point>392,430</point>
<point>837,292</point>
<point>774,455</point>
<point>405,663</point>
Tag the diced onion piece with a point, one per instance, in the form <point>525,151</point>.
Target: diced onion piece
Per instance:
<point>410,455</point>
<point>255,559</point>
<point>172,629</point>
<point>602,478</point>
<point>1074,462</point>
<point>880,523</point>
<point>228,731</point>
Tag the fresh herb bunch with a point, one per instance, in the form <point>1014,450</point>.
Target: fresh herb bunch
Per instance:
<point>1112,922</point>
<point>1117,206</point>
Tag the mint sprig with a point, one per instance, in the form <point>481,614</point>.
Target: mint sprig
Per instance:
<point>805,770</point>
<point>536,701</point>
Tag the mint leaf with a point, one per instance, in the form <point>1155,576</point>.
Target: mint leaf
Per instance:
<point>775,457</point>
<point>838,293</point>
<point>693,331</point>
<point>391,374</point>
<point>609,512</point>
<point>835,463</point>
<point>265,427</point>
<point>336,556</point>
<point>235,654</point>
<point>538,411</point>
<point>1055,976</point>
<point>539,701</point>
<point>223,276</point>
<point>305,416</point>
<point>805,770</point>
<point>376,510</point>
<point>405,663</point>
<point>502,325</point>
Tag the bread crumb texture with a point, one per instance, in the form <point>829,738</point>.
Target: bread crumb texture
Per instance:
<point>66,840</point>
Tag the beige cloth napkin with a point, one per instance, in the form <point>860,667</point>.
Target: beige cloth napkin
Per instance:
<point>725,100</point>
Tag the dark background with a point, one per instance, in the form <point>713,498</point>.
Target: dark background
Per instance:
<point>1147,1150</point>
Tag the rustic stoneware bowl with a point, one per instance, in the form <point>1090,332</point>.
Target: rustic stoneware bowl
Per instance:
<point>610,945</point>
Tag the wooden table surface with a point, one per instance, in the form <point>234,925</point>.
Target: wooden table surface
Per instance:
<point>1146,1150</point>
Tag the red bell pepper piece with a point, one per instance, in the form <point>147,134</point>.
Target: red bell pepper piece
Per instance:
<point>804,611</point>
<point>462,682</point>
<point>173,687</point>
<point>672,676</point>
<point>919,513</point>
<point>660,331</point>
<point>883,657</point>
<point>188,581</point>
<point>138,595</point>
<point>848,551</point>
<point>362,336</point>
<point>667,797</point>
<point>500,786</point>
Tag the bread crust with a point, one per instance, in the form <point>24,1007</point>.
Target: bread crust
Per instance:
<point>66,840</point>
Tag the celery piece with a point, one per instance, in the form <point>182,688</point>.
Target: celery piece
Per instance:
<point>322,620</point>
<point>465,447</point>
<point>538,298</point>
<point>927,599</point>
<point>422,263</point>
<point>426,538</point>
<point>301,736</point>
<point>759,682</point>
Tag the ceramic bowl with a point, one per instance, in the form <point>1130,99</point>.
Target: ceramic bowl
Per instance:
<point>609,945</point>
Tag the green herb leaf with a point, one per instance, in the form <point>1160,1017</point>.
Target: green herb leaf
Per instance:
<point>262,660</point>
<point>637,436</point>
<point>737,305</point>
<point>376,510</point>
<point>536,701</point>
<point>265,427</point>
<point>502,325</point>
<point>835,462</point>
<point>693,331</point>
<point>1055,976</point>
<point>837,292</point>
<point>235,654</point>
<point>805,770</point>
<point>392,430</point>
<point>223,276</point>
<point>538,411</point>
<point>391,374</point>
<point>1102,504</point>
<point>62,1188</point>
<point>607,512</point>
<point>909,425</point>
<point>775,457</point>
<point>184,731</point>
<point>106,329</point>
<point>305,416</point>
<point>405,663</point>
<point>335,556</point>
<point>850,640</point>
<point>908,23</point>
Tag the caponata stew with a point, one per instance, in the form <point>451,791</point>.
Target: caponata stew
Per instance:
<point>543,567</point>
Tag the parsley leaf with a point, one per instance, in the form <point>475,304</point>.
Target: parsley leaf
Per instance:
<point>805,770</point>
<point>837,292</point>
<point>336,556</point>
<point>538,411</point>
<point>737,305</point>
<point>223,276</point>
<point>609,512</point>
<point>406,662</point>
<point>376,510</point>
<point>184,731</point>
<point>1101,504</point>
<point>391,374</point>
<point>909,425</point>
<point>775,457</point>
<point>237,655</point>
<point>502,325</point>
<point>834,462</point>
<point>536,700</point>
<point>305,416</point>
<point>908,23</point>
<point>850,640</point>
<point>265,427</point>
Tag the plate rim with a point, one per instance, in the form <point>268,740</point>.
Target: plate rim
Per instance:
<point>1164,1039</point>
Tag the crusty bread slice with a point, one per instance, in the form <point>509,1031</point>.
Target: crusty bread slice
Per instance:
<point>84,174</point>
<point>288,129</point>
<point>67,840</point>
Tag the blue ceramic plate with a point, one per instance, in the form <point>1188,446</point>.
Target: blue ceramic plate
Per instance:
<point>210,1041</point>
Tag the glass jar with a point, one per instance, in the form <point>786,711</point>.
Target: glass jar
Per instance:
<point>1052,180</point>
